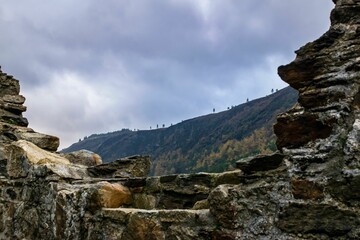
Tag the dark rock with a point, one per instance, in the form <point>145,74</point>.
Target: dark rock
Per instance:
<point>250,210</point>
<point>13,119</point>
<point>17,166</point>
<point>176,200</point>
<point>346,14</point>
<point>260,163</point>
<point>43,141</point>
<point>136,166</point>
<point>12,108</point>
<point>135,182</point>
<point>167,178</point>
<point>293,131</point>
<point>318,218</point>
<point>8,85</point>
<point>346,189</point>
<point>307,190</point>
<point>4,156</point>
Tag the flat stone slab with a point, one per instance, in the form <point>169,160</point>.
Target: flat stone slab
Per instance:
<point>260,163</point>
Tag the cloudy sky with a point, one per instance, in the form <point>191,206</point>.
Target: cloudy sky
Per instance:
<point>90,66</point>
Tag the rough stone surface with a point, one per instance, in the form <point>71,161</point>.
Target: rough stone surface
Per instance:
<point>136,166</point>
<point>260,163</point>
<point>37,155</point>
<point>43,141</point>
<point>83,157</point>
<point>113,195</point>
<point>307,191</point>
<point>318,218</point>
<point>321,133</point>
<point>13,126</point>
<point>250,209</point>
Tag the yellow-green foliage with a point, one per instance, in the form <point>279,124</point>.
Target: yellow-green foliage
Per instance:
<point>261,141</point>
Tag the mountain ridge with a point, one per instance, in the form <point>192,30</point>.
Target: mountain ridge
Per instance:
<point>178,148</point>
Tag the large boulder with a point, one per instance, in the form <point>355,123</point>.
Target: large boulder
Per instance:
<point>36,155</point>
<point>83,157</point>
<point>25,157</point>
<point>44,141</point>
<point>113,195</point>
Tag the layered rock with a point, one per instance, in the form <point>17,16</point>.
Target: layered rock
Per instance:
<point>83,157</point>
<point>308,190</point>
<point>13,126</point>
<point>316,196</point>
<point>10,101</point>
<point>321,134</point>
<point>46,195</point>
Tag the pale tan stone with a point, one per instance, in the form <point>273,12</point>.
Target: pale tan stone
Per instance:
<point>113,195</point>
<point>37,155</point>
<point>83,157</point>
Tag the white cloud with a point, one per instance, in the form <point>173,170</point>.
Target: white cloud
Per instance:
<point>88,66</point>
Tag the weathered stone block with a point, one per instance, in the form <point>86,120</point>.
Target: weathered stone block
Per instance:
<point>307,190</point>
<point>8,85</point>
<point>136,166</point>
<point>18,164</point>
<point>37,155</point>
<point>260,163</point>
<point>83,157</point>
<point>113,195</point>
<point>346,189</point>
<point>143,226</point>
<point>144,201</point>
<point>318,218</point>
<point>44,141</point>
<point>293,131</point>
<point>16,99</point>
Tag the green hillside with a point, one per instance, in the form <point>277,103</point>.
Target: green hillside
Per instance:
<point>209,143</point>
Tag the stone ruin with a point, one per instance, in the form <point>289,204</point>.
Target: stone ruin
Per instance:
<point>309,189</point>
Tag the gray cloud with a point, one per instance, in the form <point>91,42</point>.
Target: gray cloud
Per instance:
<point>90,66</point>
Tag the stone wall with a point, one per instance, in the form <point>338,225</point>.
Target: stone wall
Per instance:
<point>308,190</point>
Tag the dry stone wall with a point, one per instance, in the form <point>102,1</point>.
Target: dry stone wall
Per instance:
<point>308,190</point>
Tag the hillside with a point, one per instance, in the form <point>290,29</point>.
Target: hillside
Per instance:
<point>208,143</point>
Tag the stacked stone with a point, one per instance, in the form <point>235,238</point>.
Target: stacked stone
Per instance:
<point>321,134</point>
<point>11,103</point>
<point>326,73</point>
<point>13,126</point>
<point>310,190</point>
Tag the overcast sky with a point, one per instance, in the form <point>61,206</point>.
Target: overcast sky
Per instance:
<point>89,66</point>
